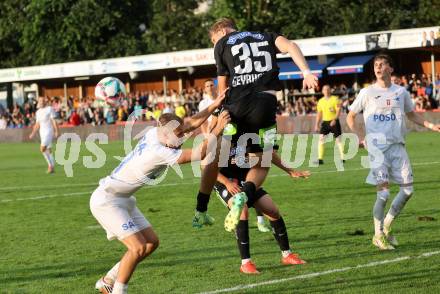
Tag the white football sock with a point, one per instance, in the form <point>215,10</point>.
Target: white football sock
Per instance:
<point>52,160</point>
<point>387,223</point>
<point>397,205</point>
<point>113,273</point>
<point>286,253</point>
<point>46,156</point>
<point>120,288</point>
<point>260,219</point>
<point>379,210</point>
<point>246,260</point>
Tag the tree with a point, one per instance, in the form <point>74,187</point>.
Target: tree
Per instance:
<point>49,31</point>
<point>68,30</point>
<point>11,20</point>
<point>175,26</point>
<point>316,18</point>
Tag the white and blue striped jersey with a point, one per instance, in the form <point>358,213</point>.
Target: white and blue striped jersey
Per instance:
<point>143,165</point>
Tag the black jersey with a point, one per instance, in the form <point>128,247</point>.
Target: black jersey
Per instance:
<point>249,60</point>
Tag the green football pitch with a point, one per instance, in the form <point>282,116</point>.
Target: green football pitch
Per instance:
<point>50,243</point>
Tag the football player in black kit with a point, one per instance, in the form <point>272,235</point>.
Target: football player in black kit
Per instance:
<point>230,179</point>
<point>246,63</point>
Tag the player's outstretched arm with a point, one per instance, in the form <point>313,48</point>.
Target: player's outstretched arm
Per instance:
<point>34,130</point>
<point>276,159</point>
<point>200,151</point>
<point>286,46</point>
<point>198,119</point>
<point>418,119</point>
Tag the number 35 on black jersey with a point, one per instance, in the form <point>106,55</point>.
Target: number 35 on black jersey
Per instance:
<point>249,60</point>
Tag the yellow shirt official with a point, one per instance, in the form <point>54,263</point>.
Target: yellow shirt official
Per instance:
<point>180,111</point>
<point>328,107</point>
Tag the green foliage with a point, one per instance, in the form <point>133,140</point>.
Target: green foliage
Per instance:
<point>60,31</point>
<point>174,26</point>
<point>49,31</point>
<point>11,21</point>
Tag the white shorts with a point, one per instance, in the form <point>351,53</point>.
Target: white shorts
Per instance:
<point>396,168</point>
<point>119,216</point>
<point>46,139</point>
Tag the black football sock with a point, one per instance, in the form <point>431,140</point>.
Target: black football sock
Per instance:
<point>202,201</point>
<point>280,233</point>
<point>249,188</point>
<point>242,234</point>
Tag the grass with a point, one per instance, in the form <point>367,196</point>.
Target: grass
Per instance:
<point>54,245</point>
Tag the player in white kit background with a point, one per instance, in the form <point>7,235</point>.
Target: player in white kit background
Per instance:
<point>209,93</point>
<point>385,106</point>
<point>114,205</point>
<point>46,124</point>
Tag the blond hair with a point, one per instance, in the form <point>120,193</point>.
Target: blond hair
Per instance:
<point>223,23</point>
<point>167,117</point>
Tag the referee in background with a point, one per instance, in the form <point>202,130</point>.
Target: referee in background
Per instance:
<point>329,109</point>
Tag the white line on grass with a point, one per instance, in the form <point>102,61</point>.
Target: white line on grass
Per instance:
<point>94,227</point>
<point>45,196</point>
<point>317,274</point>
<point>12,188</point>
<point>87,192</point>
<point>46,186</point>
<point>174,184</point>
<point>72,185</point>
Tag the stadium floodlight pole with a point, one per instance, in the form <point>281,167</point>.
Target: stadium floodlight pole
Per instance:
<point>65,93</point>
<point>164,82</point>
<point>434,90</point>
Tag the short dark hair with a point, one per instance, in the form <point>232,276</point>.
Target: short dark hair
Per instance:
<point>167,117</point>
<point>384,56</point>
<point>223,23</point>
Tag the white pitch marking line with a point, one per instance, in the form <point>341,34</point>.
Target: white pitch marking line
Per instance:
<point>181,183</point>
<point>428,254</point>
<point>94,227</point>
<point>317,274</point>
<point>45,196</point>
<point>275,175</point>
<point>46,186</point>
<point>70,185</point>
<point>87,192</point>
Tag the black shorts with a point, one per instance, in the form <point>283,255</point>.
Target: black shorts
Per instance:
<point>254,114</point>
<point>327,129</point>
<point>224,194</point>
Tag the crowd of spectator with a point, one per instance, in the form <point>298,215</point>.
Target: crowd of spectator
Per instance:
<point>73,111</point>
<point>419,86</point>
<point>421,89</point>
<point>149,105</point>
<point>304,102</point>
